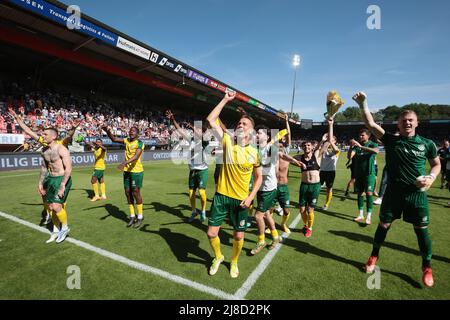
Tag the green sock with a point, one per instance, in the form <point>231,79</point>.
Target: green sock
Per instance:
<point>424,240</point>
<point>380,235</point>
<point>360,202</point>
<point>369,203</point>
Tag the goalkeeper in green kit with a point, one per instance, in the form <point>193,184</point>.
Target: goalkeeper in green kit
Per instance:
<point>406,156</point>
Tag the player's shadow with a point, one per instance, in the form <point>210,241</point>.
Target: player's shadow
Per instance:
<point>437,198</point>
<point>179,194</point>
<point>177,211</point>
<point>173,210</point>
<point>340,194</point>
<point>113,211</point>
<point>197,196</point>
<point>182,246</point>
<point>32,204</point>
<point>307,248</point>
<point>49,226</point>
<point>339,216</point>
<point>363,238</point>
<point>225,234</point>
<point>89,192</point>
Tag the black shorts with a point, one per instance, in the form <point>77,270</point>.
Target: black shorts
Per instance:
<point>352,170</point>
<point>327,177</point>
<point>217,172</point>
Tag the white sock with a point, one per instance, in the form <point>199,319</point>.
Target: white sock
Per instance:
<point>132,216</point>
<point>140,217</point>
<point>64,227</point>
<point>361,213</point>
<point>369,214</point>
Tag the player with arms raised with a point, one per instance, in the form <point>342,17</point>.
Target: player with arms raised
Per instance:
<point>232,197</point>
<point>133,172</point>
<point>406,156</point>
<point>55,182</point>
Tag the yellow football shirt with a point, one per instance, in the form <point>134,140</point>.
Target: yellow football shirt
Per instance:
<point>237,169</point>
<point>99,155</point>
<point>130,150</point>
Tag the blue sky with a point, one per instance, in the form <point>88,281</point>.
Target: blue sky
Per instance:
<point>249,45</point>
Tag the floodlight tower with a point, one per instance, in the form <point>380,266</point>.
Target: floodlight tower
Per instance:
<point>296,64</point>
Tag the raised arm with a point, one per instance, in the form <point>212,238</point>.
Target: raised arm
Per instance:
<point>22,124</point>
<point>331,134</point>
<point>112,136</point>
<point>292,160</point>
<point>103,147</point>
<point>215,113</point>
<point>370,150</point>
<point>361,100</point>
<point>67,163</point>
<point>321,146</point>
<point>68,139</point>
<point>321,150</point>
<point>90,144</point>
<point>182,131</point>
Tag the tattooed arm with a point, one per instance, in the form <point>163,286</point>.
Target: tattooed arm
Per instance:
<point>67,163</point>
<point>42,175</point>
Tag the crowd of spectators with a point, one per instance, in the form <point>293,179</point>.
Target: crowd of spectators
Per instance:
<point>41,109</point>
<point>50,108</point>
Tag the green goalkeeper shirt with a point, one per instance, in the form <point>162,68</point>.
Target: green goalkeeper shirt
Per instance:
<point>365,161</point>
<point>406,157</point>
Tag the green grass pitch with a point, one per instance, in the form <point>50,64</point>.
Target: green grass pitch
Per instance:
<point>326,266</point>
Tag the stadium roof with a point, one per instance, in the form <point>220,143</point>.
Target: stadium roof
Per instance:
<point>41,25</point>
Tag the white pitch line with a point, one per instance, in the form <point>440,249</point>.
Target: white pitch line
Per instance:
<point>254,276</point>
<point>136,265</point>
<point>19,175</point>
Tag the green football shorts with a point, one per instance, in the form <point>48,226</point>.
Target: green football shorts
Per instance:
<point>365,184</point>
<point>198,179</point>
<point>98,174</point>
<point>410,202</point>
<point>309,193</point>
<point>283,196</point>
<point>132,180</point>
<point>223,206</point>
<point>51,187</point>
<point>266,199</point>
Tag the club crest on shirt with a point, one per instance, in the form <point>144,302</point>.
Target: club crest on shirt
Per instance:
<point>421,147</point>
